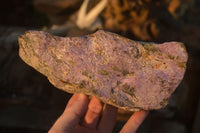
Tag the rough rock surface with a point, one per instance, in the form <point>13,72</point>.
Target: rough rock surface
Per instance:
<point>127,74</point>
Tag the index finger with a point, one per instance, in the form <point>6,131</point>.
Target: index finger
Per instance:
<point>134,122</point>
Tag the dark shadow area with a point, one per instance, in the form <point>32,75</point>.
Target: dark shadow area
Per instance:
<point>29,103</point>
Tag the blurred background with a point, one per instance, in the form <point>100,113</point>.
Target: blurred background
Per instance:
<point>29,103</point>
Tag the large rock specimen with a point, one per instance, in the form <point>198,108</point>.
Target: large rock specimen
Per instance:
<point>127,74</point>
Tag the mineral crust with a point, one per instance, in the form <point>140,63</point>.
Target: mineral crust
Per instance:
<point>128,74</point>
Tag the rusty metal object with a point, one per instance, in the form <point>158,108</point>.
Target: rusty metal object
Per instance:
<point>127,74</point>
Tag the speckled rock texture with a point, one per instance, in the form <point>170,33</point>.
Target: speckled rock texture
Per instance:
<point>127,74</point>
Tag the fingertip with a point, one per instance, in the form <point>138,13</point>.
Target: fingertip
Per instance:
<point>135,121</point>
<point>75,99</point>
<point>141,114</point>
<point>78,103</point>
<point>83,97</point>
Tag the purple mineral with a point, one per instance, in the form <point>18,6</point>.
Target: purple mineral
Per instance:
<point>128,74</point>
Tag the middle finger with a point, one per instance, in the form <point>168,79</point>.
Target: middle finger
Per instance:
<point>93,113</point>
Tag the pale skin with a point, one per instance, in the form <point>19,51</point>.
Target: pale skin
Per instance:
<point>95,120</point>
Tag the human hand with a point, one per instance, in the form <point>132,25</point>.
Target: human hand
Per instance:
<point>79,105</point>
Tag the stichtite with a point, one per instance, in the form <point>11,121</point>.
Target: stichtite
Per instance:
<point>128,74</point>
